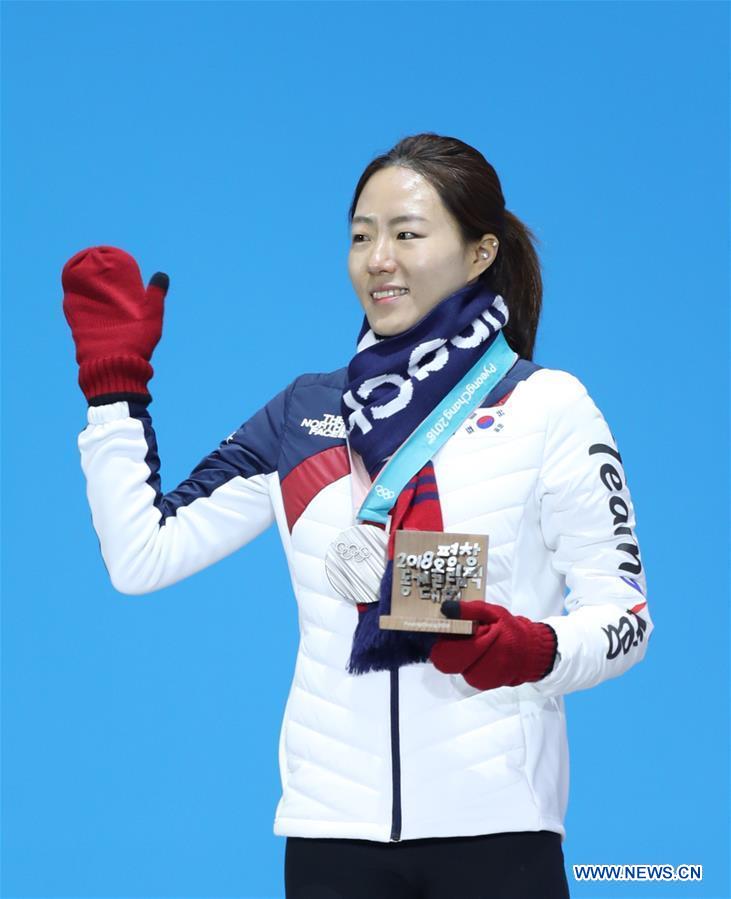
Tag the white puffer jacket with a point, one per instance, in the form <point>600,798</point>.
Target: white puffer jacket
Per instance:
<point>414,753</point>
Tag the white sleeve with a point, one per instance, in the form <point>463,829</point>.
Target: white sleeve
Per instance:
<point>588,521</point>
<point>150,540</point>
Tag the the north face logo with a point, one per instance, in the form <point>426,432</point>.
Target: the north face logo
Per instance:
<point>328,426</point>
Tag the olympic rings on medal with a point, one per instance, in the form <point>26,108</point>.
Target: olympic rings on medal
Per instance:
<point>352,552</point>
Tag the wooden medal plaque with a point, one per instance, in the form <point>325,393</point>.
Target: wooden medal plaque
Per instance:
<point>430,567</point>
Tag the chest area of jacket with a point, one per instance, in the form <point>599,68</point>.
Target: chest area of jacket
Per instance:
<point>488,466</point>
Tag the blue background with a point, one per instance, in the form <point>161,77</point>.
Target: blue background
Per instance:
<point>221,142</point>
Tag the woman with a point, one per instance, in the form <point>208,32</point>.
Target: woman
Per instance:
<point>412,764</point>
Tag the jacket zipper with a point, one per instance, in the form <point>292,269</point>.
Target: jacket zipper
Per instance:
<point>395,759</point>
<point>395,742</point>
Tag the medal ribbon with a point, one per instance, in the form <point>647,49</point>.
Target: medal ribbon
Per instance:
<point>443,421</point>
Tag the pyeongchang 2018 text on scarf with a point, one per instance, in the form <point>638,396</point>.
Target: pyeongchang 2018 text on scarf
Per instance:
<point>487,371</point>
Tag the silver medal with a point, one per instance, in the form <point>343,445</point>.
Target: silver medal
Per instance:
<point>356,561</point>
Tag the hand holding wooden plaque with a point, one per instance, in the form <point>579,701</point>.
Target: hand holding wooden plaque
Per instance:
<point>430,567</point>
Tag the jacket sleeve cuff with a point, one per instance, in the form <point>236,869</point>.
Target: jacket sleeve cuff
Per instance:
<point>544,650</point>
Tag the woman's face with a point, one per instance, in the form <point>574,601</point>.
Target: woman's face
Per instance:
<point>403,236</point>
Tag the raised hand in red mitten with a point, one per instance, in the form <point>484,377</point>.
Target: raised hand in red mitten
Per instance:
<point>116,323</point>
<point>504,651</point>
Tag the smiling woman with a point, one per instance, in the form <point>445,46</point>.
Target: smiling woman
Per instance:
<point>416,761</point>
<point>451,197</point>
<point>398,275</point>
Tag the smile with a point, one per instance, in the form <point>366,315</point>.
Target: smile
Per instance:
<point>385,296</point>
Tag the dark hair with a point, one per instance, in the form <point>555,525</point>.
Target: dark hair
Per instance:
<point>470,189</point>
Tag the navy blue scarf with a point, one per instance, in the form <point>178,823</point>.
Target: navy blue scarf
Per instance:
<point>393,384</point>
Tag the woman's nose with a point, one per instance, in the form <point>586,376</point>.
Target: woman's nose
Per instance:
<point>380,257</point>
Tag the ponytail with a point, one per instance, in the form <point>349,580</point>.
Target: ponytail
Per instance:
<point>516,276</point>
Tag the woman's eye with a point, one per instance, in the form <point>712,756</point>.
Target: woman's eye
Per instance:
<point>407,232</point>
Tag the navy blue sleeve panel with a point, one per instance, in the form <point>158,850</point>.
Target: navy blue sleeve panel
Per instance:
<point>252,449</point>
<point>150,540</point>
